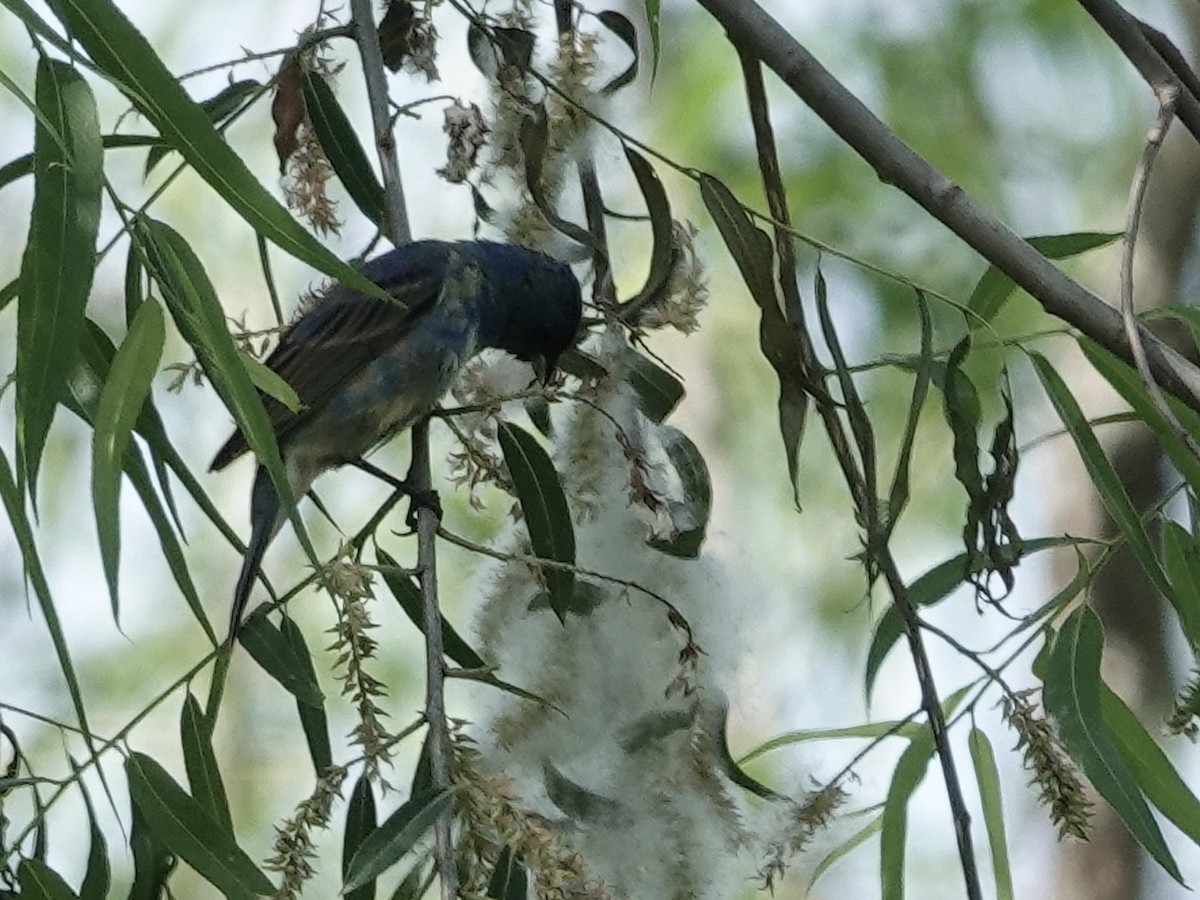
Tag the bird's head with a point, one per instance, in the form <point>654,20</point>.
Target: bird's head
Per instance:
<point>537,304</point>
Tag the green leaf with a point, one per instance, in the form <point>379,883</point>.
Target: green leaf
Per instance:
<point>219,108</point>
<point>1104,477</point>
<point>899,493</point>
<point>312,718</point>
<point>931,588</point>
<point>204,777</point>
<point>652,21</point>
<point>360,821</point>
<point>129,61</point>
<point>994,288</point>
<point>97,352</point>
<point>279,658</point>
<point>658,391</point>
<point>754,255</point>
<point>387,844</point>
<point>620,25</point>
<point>185,829</point>
<point>36,576</point>
<point>342,147</point>
<point>510,878</point>
<point>408,595</point>
<point>873,730</point>
<point>1183,566</point>
<point>690,515</point>
<point>909,773</point>
<point>118,409</point>
<point>1072,695</point>
<point>1130,386</point>
<point>270,383</point>
<point>987,777</point>
<point>855,840</point>
<point>197,313</point>
<point>60,251</point>
<point>545,509</point>
<point>534,137</point>
<point>662,228</point>
<point>152,861</point>
<point>39,882</point>
<point>97,877</point>
<point>1159,780</point>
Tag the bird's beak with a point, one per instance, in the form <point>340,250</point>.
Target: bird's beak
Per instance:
<point>543,368</point>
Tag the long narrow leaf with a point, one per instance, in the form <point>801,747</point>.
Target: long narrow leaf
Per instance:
<point>387,844</point>
<point>119,407</point>
<point>183,826</point>
<point>360,822</point>
<point>1159,780</point>
<point>342,147</point>
<point>546,514</point>
<point>1103,475</point>
<point>312,717</point>
<point>127,58</point>
<point>1073,696</point>
<point>204,776</point>
<point>59,260</point>
<point>987,776</point>
<point>909,773</point>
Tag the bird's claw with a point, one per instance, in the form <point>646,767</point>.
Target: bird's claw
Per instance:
<point>422,499</point>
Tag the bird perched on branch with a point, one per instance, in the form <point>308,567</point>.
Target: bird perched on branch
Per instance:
<point>366,369</point>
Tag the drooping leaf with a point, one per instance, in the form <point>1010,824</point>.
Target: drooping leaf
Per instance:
<point>408,595</point>
<point>652,21</point>
<point>1183,567</point>
<point>545,509</point>
<point>1072,695</point>
<point>97,876</point>
<point>360,822</point>
<point>994,288</point>
<point>198,315</point>
<point>510,879</point>
<point>899,493</point>
<point>909,773</point>
<point>1103,476</point>
<point>394,30</point>
<point>342,147</point>
<point>689,515</point>
<point>931,588</point>
<point>662,230</point>
<point>387,844</point>
<point>843,849</point>
<point>624,29</point>
<point>752,251</point>
<point>270,383</point>
<point>219,108</point>
<point>312,718</point>
<point>1128,383</point>
<point>278,657</point>
<point>658,391</point>
<point>184,828</point>
<point>40,882</point>
<point>1159,780</point>
<point>987,777</point>
<point>120,406</point>
<point>534,139</point>
<point>128,60</point>
<point>152,861</point>
<point>204,776</point>
<point>581,804</point>
<point>60,259</point>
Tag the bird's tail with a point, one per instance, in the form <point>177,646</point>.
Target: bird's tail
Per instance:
<point>265,522</point>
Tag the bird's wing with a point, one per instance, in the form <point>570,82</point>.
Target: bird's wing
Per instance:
<point>327,346</point>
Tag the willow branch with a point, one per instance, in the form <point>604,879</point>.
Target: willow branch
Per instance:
<point>755,32</point>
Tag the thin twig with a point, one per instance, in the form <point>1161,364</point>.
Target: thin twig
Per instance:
<point>1167,97</point>
<point>419,475</point>
<point>377,94</point>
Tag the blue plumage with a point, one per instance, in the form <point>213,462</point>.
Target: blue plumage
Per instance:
<point>366,369</point>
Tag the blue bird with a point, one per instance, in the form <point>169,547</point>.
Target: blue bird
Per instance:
<point>366,369</point>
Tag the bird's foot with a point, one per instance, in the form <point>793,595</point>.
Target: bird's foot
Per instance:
<point>419,500</point>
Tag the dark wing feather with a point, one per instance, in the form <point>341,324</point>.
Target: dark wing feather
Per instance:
<point>330,344</point>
